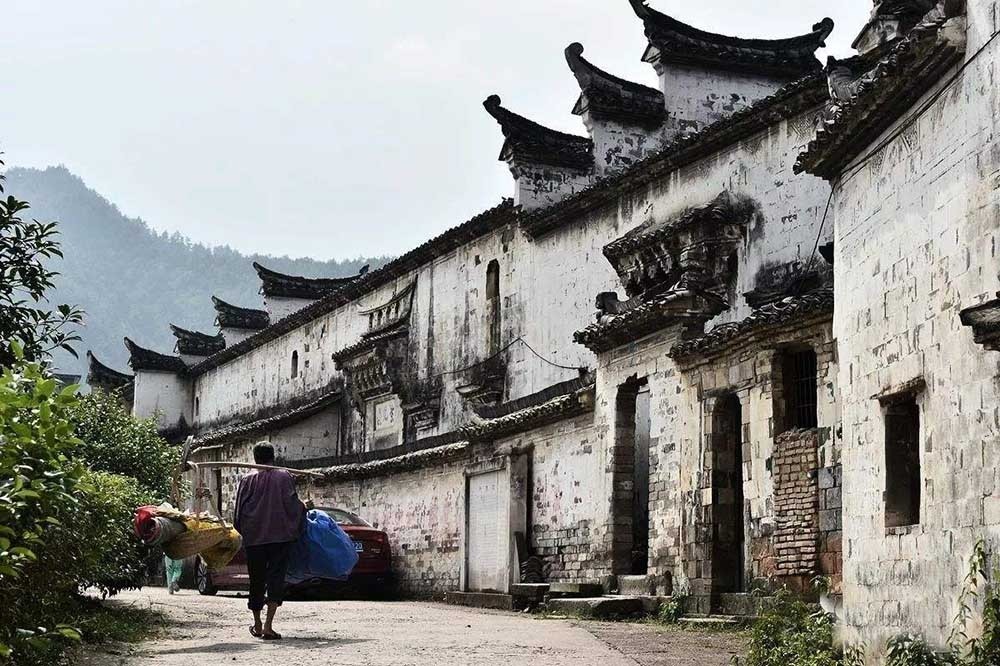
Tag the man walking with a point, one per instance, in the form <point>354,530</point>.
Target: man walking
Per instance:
<point>269,516</point>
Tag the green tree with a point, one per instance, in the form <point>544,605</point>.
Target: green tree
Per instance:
<point>24,278</point>
<point>112,440</point>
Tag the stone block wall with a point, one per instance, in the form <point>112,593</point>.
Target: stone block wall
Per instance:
<point>831,550</point>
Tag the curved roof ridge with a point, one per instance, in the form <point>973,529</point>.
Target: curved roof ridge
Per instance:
<point>196,343</point>
<point>141,358</point>
<point>673,41</point>
<point>587,72</point>
<point>98,369</point>
<point>530,141</point>
<point>606,96</point>
<point>180,333</point>
<point>815,38</point>
<point>234,316</point>
<point>274,283</point>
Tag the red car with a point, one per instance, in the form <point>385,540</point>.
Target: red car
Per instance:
<point>372,572</point>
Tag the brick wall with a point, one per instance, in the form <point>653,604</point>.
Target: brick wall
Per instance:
<point>796,507</point>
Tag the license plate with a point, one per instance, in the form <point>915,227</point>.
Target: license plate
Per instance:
<point>359,547</point>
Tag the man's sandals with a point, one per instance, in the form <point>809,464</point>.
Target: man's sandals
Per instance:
<point>270,636</point>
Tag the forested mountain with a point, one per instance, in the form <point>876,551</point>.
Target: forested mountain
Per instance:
<point>132,280</point>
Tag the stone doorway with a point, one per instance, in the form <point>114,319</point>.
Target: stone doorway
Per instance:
<point>630,478</point>
<point>728,528</point>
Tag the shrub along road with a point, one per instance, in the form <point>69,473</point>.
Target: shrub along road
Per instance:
<point>213,630</point>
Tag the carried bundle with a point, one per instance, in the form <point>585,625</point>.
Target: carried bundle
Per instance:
<point>323,551</point>
<point>183,535</point>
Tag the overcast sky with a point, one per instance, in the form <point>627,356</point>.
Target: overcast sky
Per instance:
<point>322,128</point>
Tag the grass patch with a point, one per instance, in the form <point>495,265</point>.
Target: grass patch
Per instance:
<point>101,622</point>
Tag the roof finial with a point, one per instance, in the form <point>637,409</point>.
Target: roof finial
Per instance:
<point>493,104</point>
<point>825,28</point>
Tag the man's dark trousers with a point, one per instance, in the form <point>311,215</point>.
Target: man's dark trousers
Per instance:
<point>267,565</point>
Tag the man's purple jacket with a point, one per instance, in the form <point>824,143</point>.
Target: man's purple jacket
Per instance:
<point>268,509</point>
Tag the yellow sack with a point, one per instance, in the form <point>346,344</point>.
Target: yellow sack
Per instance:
<point>205,535</point>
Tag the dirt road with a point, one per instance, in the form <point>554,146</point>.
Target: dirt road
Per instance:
<point>213,630</point>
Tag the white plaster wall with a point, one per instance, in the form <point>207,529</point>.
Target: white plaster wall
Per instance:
<point>164,395</point>
<point>234,336</point>
<point>279,307</point>
<point>917,231</point>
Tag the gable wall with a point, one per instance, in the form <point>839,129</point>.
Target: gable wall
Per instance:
<point>917,238</point>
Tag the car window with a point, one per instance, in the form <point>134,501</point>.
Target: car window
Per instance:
<point>345,517</point>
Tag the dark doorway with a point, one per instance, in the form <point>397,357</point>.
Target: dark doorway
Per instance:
<point>630,478</point>
<point>493,307</point>
<point>640,485</point>
<point>728,529</point>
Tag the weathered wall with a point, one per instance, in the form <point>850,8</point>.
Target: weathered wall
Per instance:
<point>618,146</point>
<point>421,511</point>
<point>917,231</point>
<point>540,185</point>
<point>563,503</point>
<point>696,98</point>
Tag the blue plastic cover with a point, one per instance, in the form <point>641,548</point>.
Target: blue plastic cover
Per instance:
<point>323,551</point>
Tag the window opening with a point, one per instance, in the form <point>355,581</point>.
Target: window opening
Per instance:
<point>902,463</point>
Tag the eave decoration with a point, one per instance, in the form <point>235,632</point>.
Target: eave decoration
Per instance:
<point>379,364</point>
<point>864,104</point>
<point>528,142</point>
<point>984,320</point>
<point>193,343</point>
<point>675,271</point>
<point>608,97</point>
<point>232,316</point>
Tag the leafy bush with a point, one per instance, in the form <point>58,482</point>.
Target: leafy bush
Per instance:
<point>793,633</point>
<point>115,441</point>
<point>39,485</point>
<point>103,550</point>
<point>910,650</point>
<point>671,611</point>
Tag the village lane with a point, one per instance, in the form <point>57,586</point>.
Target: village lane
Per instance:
<point>206,631</point>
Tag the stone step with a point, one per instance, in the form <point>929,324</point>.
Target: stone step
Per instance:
<point>533,591</point>
<point>492,600</point>
<point>713,621</point>
<point>650,603</point>
<point>578,590</point>
<point>742,604</point>
<point>598,608</point>
<point>528,595</point>
<point>637,585</point>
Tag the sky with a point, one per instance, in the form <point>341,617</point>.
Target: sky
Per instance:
<point>320,128</point>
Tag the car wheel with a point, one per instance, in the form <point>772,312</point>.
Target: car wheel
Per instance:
<point>204,579</point>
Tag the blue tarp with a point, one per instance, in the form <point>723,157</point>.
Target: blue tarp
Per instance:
<point>323,551</point>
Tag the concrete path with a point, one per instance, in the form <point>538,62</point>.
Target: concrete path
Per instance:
<point>213,630</point>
